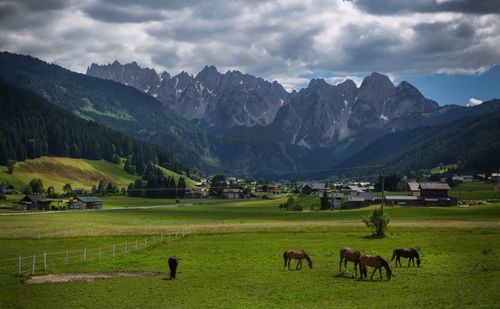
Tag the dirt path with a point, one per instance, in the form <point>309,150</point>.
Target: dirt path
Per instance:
<point>87,276</point>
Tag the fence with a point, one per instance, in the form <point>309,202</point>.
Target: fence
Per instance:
<point>35,263</point>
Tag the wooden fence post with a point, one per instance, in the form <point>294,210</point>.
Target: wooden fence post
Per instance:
<point>33,265</point>
<point>67,254</point>
<point>125,247</point>
<point>19,263</point>
<point>45,261</point>
<point>100,253</point>
<point>145,242</point>
<point>161,237</point>
<point>154,239</point>
<point>84,255</point>
<point>136,247</point>
<point>113,250</point>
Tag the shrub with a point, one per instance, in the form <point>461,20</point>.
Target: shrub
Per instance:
<point>297,207</point>
<point>378,222</point>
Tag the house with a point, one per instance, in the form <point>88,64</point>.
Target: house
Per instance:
<point>5,188</point>
<point>193,194</point>
<point>434,189</point>
<point>313,188</point>
<point>34,201</point>
<point>87,202</point>
<point>413,188</point>
<point>75,191</point>
<point>273,188</point>
<point>232,194</point>
<point>367,196</point>
<point>413,200</point>
<point>463,178</point>
<point>495,177</point>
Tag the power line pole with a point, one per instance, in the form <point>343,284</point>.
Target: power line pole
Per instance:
<point>383,193</point>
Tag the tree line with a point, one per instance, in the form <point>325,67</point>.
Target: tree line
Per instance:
<point>155,184</point>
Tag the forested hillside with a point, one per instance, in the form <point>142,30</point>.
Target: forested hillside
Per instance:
<point>472,142</point>
<point>32,127</point>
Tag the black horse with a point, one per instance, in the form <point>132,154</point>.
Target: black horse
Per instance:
<point>172,264</point>
<point>410,253</point>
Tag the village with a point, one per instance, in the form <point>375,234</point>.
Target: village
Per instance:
<point>329,196</point>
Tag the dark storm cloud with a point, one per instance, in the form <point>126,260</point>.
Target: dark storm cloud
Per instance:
<point>281,40</point>
<point>394,7</point>
<point>123,14</point>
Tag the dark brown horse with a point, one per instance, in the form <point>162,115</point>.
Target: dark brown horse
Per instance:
<point>376,262</point>
<point>410,253</point>
<point>349,255</point>
<point>297,255</point>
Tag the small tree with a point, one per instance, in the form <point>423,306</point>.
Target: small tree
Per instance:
<point>66,188</point>
<point>378,222</point>
<point>36,186</point>
<point>10,166</point>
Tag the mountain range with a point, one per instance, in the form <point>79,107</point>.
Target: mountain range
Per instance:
<point>235,123</point>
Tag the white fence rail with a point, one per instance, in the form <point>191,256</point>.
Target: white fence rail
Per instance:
<point>45,261</point>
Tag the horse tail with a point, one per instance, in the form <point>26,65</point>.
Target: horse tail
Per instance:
<point>284,257</point>
<point>393,255</point>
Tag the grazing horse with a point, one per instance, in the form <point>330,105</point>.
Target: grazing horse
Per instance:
<point>349,255</point>
<point>374,261</point>
<point>410,253</point>
<point>297,255</point>
<point>172,264</point>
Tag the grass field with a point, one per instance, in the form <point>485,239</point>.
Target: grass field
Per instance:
<point>56,172</point>
<point>80,173</point>
<point>232,257</point>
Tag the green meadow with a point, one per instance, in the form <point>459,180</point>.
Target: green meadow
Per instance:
<point>231,257</point>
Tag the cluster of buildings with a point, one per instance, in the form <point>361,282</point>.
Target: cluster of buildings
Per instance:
<point>40,202</point>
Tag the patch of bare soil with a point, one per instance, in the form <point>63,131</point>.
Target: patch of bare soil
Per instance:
<point>53,278</point>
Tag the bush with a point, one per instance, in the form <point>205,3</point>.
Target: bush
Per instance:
<point>378,222</point>
<point>297,207</point>
<point>2,197</point>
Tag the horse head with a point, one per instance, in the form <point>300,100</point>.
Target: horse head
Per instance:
<point>309,262</point>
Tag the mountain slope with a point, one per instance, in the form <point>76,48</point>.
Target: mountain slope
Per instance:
<point>57,171</point>
<point>211,99</point>
<point>32,127</point>
<point>139,115</point>
<point>472,141</point>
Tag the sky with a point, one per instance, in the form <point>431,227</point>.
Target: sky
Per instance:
<point>449,49</point>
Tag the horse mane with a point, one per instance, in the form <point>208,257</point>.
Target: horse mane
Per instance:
<point>416,254</point>
<point>384,263</point>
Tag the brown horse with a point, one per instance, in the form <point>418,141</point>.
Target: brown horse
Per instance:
<point>349,255</point>
<point>297,255</point>
<point>410,253</point>
<point>374,261</point>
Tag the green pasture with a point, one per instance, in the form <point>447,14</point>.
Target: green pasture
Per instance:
<point>231,257</point>
<point>475,191</point>
<point>459,269</point>
<point>221,213</point>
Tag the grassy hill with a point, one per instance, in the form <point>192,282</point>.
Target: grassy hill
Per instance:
<point>56,171</point>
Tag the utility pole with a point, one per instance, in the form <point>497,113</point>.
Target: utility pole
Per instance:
<point>383,193</point>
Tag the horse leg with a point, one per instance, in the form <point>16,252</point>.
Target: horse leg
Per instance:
<point>371,278</point>
<point>355,269</point>
<point>340,265</point>
<point>380,272</point>
<point>409,260</point>
<point>399,261</point>
<point>345,265</point>
<point>289,260</point>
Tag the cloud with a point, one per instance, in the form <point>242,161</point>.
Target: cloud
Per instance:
<point>474,102</point>
<point>286,40</point>
<point>394,7</point>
